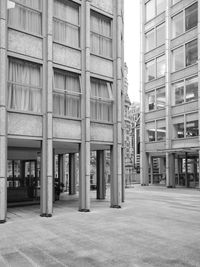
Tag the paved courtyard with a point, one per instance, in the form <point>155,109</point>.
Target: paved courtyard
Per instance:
<point>155,227</point>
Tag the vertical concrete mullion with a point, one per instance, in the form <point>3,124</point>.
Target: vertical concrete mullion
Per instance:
<point>116,151</point>
<point>47,147</point>
<point>144,172</point>
<point>84,151</point>
<point>3,113</point>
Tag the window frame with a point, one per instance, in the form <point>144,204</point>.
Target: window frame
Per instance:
<point>184,121</point>
<point>155,60</point>
<point>155,10</point>
<point>155,42</point>
<point>155,93</point>
<point>156,126</point>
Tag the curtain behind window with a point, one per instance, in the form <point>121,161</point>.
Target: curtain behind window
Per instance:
<point>24,86</point>
<point>26,16</point>
<point>66,23</point>
<point>66,99</point>
<point>101,100</point>
<point>101,42</point>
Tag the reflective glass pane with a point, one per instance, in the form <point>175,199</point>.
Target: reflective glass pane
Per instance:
<point>160,5</point>
<point>179,130</point>
<point>178,59</point>
<point>161,133</point>
<point>177,25</point>
<point>150,40</point>
<point>160,35</point>
<point>191,89</point>
<point>192,128</point>
<point>191,16</point>
<point>151,135</point>
<point>150,71</point>
<point>160,98</point>
<point>160,66</point>
<point>191,53</point>
<point>151,101</point>
<point>178,93</point>
<point>150,9</point>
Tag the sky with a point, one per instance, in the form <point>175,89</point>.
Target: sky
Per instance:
<point>132,46</point>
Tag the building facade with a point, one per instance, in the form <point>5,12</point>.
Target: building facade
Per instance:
<point>61,80</point>
<point>170,108</point>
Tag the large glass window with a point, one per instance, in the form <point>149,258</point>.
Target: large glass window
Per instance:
<point>150,40</point>
<point>24,86</point>
<point>178,93</point>
<point>191,16</point>
<point>160,34</point>
<point>101,100</point>
<point>66,28</point>
<point>191,89</point>
<point>192,128</point>
<point>66,96</point>
<point>160,66</point>
<point>150,70</point>
<point>161,133</point>
<point>160,98</point>
<point>101,35</point>
<point>151,101</point>
<point>152,135</point>
<point>150,9</point>
<point>191,52</point>
<point>178,58</point>
<point>179,130</point>
<point>26,15</point>
<point>177,24</point>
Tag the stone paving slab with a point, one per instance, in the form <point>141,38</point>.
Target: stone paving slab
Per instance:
<point>156,227</point>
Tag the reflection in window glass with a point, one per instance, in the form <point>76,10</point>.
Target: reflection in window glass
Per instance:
<point>150,9</point>
<point>178,59</point>
<point>191,16</point>
<point>161,133</point>
<point>178,93</point>
<point>191,89</point>
<point>192,128</point>
<point>161,4</point>
<point>179,130</point>
<point>191,53</point>
<point>160,66</point>
<point>150,71</point>
<point>160,98</point>
<point>177,25</point>
<point>151,101</point>
<point>151,135</point>
<point>160,35</point>
<point>150,40</point>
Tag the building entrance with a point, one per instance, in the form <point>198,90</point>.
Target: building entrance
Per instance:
<point>23,180</point>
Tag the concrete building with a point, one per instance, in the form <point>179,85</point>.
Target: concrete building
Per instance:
<point>61,80</point>
<point>170,107</point>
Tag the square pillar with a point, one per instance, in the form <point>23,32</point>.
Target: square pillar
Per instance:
<point>72,174</point>
<point>170,170</point>
<point>100,165</point>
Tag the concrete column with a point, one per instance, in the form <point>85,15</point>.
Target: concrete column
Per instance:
<point>100,165</point>
<point>187,183</point>
<point>170,170</point>
<point>116,150</point>
<point>60,168</point>
<point>72,174</point>
<point>47,144</point>
<point>151,168</point>
<point>144,170</point>
<point>3,112</point>
<point>84,148</point>
<point>198,29</point>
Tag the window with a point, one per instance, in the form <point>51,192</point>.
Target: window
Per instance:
<point>161,133</point>
<point>160,66</point>
<point>150,40</point>
<point>101,100</point>
<point>160,98</point>
<point>179,130</point>
<point>178,58</point>
<point>26,16</point>
<point>191,16</point>
<point>161,5</point>
<point>175,1</point>
<point>156,131</point>
<point>191,53</point>
<point>66,95</point>
<point>150,9</point>
<point>66,27</point>
<point>185,20</point>
<point>150,70</point>
<point>177,25</point>
<point>155,99</point>
<point>191,89</point>
<point>24,86</point>
<point>101,35</point>
<point>192,128</point>
<point>178,93</point>
<point>160,34</point>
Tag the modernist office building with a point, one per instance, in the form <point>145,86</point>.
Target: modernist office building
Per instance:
<point>61,77</point>
<point>170,93</point>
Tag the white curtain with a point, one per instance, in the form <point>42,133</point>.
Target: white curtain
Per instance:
<point>66,23</point>
<point>101,42</point>
<point>24,18</point>
<point>66,100</point>
<point>24,86</point>
<point>101,100</point>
